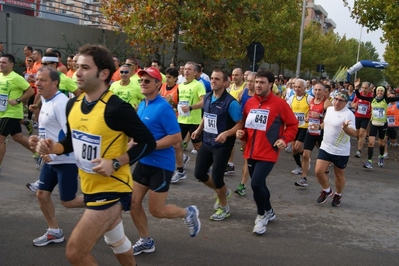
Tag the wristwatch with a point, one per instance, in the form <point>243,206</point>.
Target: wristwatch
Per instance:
<point>116,164</point>
<point>18,100</point>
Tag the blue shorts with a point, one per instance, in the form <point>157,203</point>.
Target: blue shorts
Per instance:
<point>65,175</point>
<point>338,160</point>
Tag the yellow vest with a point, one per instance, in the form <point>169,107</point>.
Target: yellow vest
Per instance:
<point>92,138</point>
<point>300,109</point>
<point>234,91</point>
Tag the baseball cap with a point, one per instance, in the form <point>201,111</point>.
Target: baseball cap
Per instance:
<point>152,71</point>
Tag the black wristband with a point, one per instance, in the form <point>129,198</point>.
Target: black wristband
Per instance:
<point>190,108</point>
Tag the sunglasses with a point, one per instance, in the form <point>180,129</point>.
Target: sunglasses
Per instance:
<point>340,100</point>
<point>30,61</point>
<point>146,81</point>
<point>46,64</point>
<point>124,72</point>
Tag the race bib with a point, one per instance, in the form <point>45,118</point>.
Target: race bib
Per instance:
<point>391,120</point>
<point>378,112</point>
<point>42,133</point>
<point>210,123</point>
<point>86,147</point>
<point>3,102</point>
<point>362,109</point>
<point>314,121</point>
<point>180,111</point>
<point>301,118</point>
<point>257,119</point>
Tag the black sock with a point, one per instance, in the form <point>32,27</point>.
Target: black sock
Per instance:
<point>382,149</point>
<point>297,158</point>
<point>370,152</point>
<point>180,169</point>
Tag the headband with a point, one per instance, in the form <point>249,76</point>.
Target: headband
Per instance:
<point>343,96</point>
<point>380,88</point>
<point>50,59</point>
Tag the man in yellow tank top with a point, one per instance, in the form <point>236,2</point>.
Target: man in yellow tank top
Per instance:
<point>300,103</point>
<point>97,132</point>
<point>236,87</point>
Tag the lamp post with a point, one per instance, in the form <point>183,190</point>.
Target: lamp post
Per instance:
<point>358,48</point>
<point>298,62</point>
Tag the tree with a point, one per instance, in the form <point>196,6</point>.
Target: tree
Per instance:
<point>221,29</point>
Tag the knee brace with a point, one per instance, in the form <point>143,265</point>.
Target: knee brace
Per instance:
<point>117,239</point>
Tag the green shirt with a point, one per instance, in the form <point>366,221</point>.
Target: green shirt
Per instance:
<point>190,94</point>
<point>130,93</point>
<point>67,85</point>
<point>12,87</point>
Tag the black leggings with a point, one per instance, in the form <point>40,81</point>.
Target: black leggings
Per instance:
<point>30,101</point>
<point>259,170</point>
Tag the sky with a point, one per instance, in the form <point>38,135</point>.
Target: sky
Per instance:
<point>345,25</point>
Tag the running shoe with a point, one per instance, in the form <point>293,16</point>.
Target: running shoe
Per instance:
<point>186,159</point>
<point>270,215</point>
<point>380,161</point>
<point>184,146</point>
<point>192,220</point>
<point>241,188</point>
<point>38,160</point>
<point>217,202</point>
<point>35,125</point>
<point>49,237</point>
<point>301,182</point>
<point>29,126</point>
<point>385,155</point>
<point>358,154</point>
<point>260,224</point>
<point>178,176</point>
<point>141,246</point>
<point>221,214</point>
<point>368,165</point>
<point>194,151</point>
<point>297,171</point>
<point>230,170</point>
<point>324,196</point>
<point>336,201</point>
<point>33,186</point>
<point>288,148</point>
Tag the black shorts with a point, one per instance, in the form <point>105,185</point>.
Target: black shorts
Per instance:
<point>380,130</point>
<point>362,122</point>
<point>10,126</point>
<point>338,161</point>
<point>392,132</point>
<point>103,201</point>
<point>311,140</point>
<point>301,134</point>
<point>185,128</point>
<point>157,179</point>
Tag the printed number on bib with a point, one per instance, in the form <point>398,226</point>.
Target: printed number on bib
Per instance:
<point>313,121</point>
<point>391,120</point>
<point>301,118</point>
<point>86,147</point>
<point>210,123</point>
<point>180,111</point>
<point>362,109</point>
<point>378,112</point>
<point>3,102</point>
<point>42,132</point>
<point>257,119</point>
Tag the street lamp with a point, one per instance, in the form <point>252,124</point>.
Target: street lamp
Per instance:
<point>298,62</point>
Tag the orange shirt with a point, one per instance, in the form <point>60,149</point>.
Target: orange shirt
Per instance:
<point>70,73</point>
<point>170,95</point>
<point>117,75</point>
<point>393,112</point>
<point>32,71</point>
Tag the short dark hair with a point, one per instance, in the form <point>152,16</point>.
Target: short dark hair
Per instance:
<point>224,72</point>
<point>29,48</point>
<point>262,72</point>
<point>39,51</point>
<point>54,76</point>
<point>56,52</point>
<point>172,71</point>
<point>102,58</point>
<point>154,60</point>
<point>10,57</point>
